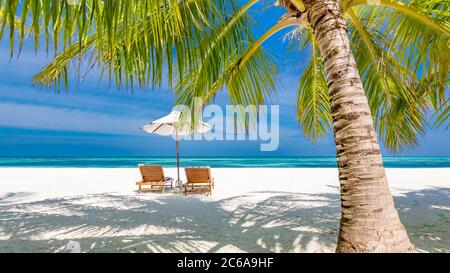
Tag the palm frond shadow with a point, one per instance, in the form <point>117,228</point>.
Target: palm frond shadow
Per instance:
<point>426,216</point>
<point>257,222</point>
<point>171,224</point>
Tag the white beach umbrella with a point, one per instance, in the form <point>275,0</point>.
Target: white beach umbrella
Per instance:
<point>171,125</point>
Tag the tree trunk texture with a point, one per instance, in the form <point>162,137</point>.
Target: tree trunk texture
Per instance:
<point>369,220</point>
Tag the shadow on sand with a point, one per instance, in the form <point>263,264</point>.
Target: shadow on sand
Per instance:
<point>257,222</point>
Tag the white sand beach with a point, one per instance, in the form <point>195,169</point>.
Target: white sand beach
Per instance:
<point>251,210</point>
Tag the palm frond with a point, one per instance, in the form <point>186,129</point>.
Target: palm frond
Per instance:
<point>443,116</point>
<point>313,101</point>
<point>14,23</point>
<point>133,37</point>
<point>386,85</point>
<point>398,70</point>
<point>215,52</point>
<point>419,32</point>
<point>247,75</point>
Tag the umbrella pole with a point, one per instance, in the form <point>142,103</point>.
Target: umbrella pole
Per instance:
<point>178,158</point>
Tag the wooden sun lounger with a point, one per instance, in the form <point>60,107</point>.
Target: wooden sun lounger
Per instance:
<point>199,180</point>
<point>153,178</point>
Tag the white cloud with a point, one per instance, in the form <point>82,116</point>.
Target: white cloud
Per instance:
<point>67,119</point>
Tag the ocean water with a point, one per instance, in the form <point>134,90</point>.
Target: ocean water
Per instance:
<point>215,162</point>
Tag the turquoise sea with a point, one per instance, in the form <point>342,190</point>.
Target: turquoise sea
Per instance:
<point>216,162</point>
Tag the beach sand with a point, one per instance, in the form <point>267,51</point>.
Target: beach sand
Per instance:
<point>251,210</point>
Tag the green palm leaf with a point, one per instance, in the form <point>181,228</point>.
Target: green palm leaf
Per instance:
<point>131,38</point>
<point>313,103</point>
<point>387,84</point>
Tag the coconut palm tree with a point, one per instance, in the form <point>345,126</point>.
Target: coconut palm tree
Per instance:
<point>373,64</point>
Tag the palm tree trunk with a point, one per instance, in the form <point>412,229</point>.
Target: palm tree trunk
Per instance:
<point>369,221</point>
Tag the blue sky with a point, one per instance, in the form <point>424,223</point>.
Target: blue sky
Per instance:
<point>94,119</point>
